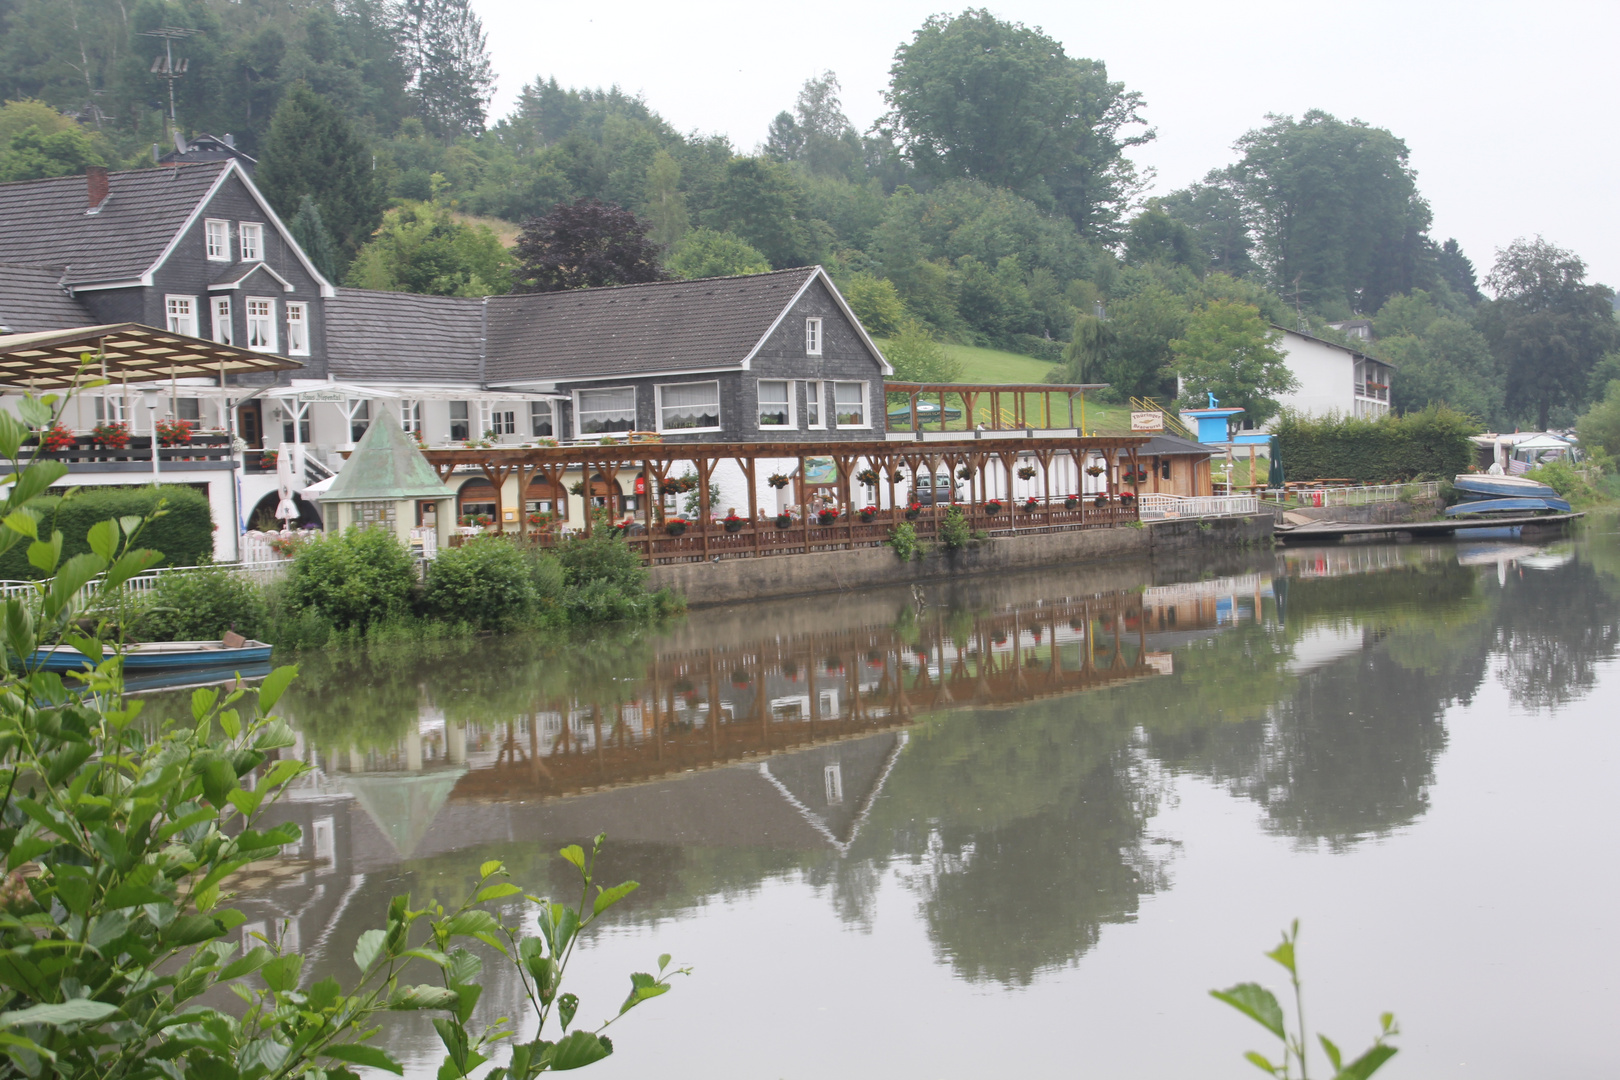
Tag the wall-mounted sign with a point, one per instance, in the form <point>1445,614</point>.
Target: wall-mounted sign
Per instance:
<point>1147,421</point>
<point>820,470</point>
<point>323,395</point>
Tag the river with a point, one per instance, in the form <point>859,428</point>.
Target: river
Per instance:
<point>1021,826</point>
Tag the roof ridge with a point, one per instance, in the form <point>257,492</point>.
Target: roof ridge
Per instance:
<point>664,284</point>
<point>154,170</point>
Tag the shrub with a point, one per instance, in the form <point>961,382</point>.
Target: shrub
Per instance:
<point>201,605</point>
<point>353,579</point>
<point>954,533</point>
<point>486,582</point>
<point>1391,449</point>
<point>184,534</point>
<point>602,556</point>
<point>903,539</point>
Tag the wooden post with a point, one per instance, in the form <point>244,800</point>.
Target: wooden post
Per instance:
<point>749,466</point>
<point>703,512</point>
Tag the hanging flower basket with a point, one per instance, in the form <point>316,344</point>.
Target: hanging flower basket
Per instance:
<point>577,487</point>
<point>1095,470</point>
<point>57,437</point>
<point>675,526</point>
<point>1100,501</point>
<point>993,507</point>
<point>868,513</point>
<point>1031,505</point>
<point>964,473</point>
<point>268,459</point>
<point>734,523</point>
<point>1071,502</point>
<point>869,477</point>
<point>1026,472</point>
<point>111,436</point>
<point>173,432</point>
<point>827,516</point>
<point>913,510</point>
<point>1127,499</point>
<point>784,521</point>
<point>777,481</point>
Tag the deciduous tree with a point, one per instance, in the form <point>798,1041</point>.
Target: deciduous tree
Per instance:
<point>420,248</point>
<point>704,253</point>
<point>1230,351</point>
<point>584,245</point>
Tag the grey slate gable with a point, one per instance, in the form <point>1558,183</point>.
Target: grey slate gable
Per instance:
<point>402,336</point>
<point>33,299</point>
<point>47,223</point>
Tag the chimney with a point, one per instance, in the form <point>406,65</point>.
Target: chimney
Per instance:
<point>95,178</point>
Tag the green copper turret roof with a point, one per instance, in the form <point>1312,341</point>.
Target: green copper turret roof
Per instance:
<point>386,465</point>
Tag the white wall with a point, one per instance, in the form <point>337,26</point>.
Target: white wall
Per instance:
<point>1326,374</point>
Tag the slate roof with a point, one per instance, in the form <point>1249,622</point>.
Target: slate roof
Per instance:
<point>1171,446</point>
<point>233,276</point>
<point>44,222</point>
<point>635,329</point>
<point>33,299</point>
<point>386,465</point>
<point>393,335</point>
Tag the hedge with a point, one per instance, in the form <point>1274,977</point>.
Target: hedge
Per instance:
<point>1432,443</point>
<point>185,534</point>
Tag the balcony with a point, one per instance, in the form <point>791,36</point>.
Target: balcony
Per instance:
<point>205,451</point>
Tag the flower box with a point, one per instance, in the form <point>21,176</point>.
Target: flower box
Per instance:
<point>784,521</point>
<point>57,437</point>
<point>993,507</point>
<point>868,513</point>
<point>827,517</point>
<point>1071,502</point>
<point>111,436</point>
<point>913,511</point>
<point>1031,505</point>
<point>733,523</point>
<point>675,526</point>
<point>173,432</point>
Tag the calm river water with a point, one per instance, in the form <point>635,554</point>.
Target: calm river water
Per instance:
<point>1024,827</point>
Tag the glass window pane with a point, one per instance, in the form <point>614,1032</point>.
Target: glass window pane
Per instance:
<point>850,405</point>
<point>540,419</point>
<point>774,410</point>
<point>690,405</point>
<point>607,410</point>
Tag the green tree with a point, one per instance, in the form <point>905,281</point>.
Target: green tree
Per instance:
<point>876,303</point>
<point>1215,212</point>
<point>1086,354</point>
<point>448,54</point>
<point>1144,320</point>
<point>1230,351</point>
<point>1547,327</point>
<point>1155,236</point>
<point>817,134</point>
<point>760,201</point>
<point>973,96</point>
<point>313,150</point>
<point>704,253</point>
<point>314,237</point>
<point>421,248</point>
<point>31,154</point>
<point>1599,427</point>
<point>916,356</point>
<point>1457,271</point>
<point>1336,210</point>
<point>664,205</point>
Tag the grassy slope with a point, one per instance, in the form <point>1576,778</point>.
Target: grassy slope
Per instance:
<point>995,366</point>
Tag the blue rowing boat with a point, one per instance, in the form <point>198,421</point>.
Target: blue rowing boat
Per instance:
<point>1474,487</point>
<point>1508,506</point>
<point>156,656</point>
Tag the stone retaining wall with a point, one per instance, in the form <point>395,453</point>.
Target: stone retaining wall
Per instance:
<point>734,580</point>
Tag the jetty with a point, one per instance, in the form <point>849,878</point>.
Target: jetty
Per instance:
<point>1331,532</point>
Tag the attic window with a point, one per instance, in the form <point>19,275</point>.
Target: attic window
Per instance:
<point>812,337</point>
<point>219,240</point>
<point>252,240</point>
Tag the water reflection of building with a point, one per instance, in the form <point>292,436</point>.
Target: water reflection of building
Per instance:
<point>1176,614</point>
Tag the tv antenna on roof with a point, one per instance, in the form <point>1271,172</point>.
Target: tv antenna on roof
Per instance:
<point>166,67</point>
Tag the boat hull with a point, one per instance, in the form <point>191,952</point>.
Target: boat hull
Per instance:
<point>1474,487</point>
<point>159,656</point>
<point>1508,506</point>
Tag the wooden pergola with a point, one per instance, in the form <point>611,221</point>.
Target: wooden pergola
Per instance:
<point>1032,404</point>
<point>122,352</point>
<point>971,460</point>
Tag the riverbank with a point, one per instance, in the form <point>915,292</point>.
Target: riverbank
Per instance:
<point>737,580</point>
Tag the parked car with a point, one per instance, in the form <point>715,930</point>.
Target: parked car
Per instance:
<point>924,487</point>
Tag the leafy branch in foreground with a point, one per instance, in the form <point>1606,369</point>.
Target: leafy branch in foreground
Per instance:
<point>1260,1005</point>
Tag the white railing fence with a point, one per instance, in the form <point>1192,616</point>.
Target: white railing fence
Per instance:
<point>1358,496</point>
<point>1155,507</point>
<point>260,572</point>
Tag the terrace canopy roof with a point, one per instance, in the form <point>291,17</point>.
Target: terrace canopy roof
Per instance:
<point>125,352</point>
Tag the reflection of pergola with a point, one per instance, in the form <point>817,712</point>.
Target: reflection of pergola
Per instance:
<point>122,352</point>
<point>1017,655</point>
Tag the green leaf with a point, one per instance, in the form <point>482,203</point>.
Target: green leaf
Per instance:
<point>191,929</point>
<point>423,996</point>
<point>606,898</point>
<point>1255,1002</point>
<point>497,892</point>
<point>1367,1064</point>
<point>103,539</point>
<point>246,801</point>
<point>578,1050</point>
<point>490,868</point>
<point>1331,1051</point>
<point>78,1011</point>
<point>574,854</point>
<point>34,411</point>
<point>255,959</point>
<point>642,987</point>
<point>26,849</point>
<point>130,895</point>
<point>1284,955</point>
<point>567,1006</point>
<point>274,685</point>
<point>45,555</point>
<point>471,922</point>
<point>23,521</point>
<point>1260,1062</point>
<point>202,701</point>
<point>218,779</point>
<point>281,974</point>
<point>368,948</point>
<point>360,1054</point>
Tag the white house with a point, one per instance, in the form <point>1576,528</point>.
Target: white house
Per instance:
<point>1334,379</point>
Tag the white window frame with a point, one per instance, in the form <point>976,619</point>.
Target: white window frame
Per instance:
<point>297,315</point>
<point>410,416</point>
<point>579,414</point>
<point>465,418</point>
<point>220,308</point>
<point>658,391</point>
<point>812,337</point>
<point>250,238</point>
<point>550,408</point>
<point>180,314</point>
<point>792,411</point>
<point>217,239</point>
<point>866,404</point>
<point>815,405</point>
<point>268,322</point>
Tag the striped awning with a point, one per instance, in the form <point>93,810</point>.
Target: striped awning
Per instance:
<point>123,352</point>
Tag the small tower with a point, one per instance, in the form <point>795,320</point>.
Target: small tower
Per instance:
<point>387,483</point>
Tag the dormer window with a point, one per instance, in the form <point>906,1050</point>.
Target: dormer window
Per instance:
<point>218,240</point>
<point>812,337</point>
<point>252,240</point>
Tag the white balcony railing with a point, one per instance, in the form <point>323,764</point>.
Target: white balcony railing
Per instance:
<point>1161,507</point>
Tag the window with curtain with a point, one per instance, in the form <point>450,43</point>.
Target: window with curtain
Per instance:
<point>607,410</point>
<point>775,403</point>
<point>261,324</point>
<point>541,424</point>
<point>849,404</point>
<point>689,407</point>
<point>812,405</point>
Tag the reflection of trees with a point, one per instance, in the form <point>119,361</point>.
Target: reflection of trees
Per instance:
<point>1556,626</point>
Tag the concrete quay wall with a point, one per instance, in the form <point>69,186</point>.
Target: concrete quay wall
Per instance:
<point>733,581</point>
<point>1383,513</point>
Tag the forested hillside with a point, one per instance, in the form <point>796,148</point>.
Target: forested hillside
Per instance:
<point>966,214</point>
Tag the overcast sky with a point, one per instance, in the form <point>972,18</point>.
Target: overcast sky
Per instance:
<point>1507,107</point>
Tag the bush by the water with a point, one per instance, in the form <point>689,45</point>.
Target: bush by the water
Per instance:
<point>1388,450</point>
<point>353,579</point>
<point>485,583</point>
<point>184,533</point>
<point>201,605</point>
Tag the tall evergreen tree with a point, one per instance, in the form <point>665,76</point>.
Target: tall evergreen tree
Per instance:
<point>1457,270</point>
<point>313,150</point>
<point>448,53</point>
<point>314,237</point>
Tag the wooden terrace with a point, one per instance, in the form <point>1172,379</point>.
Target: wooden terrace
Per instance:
<point>846,511</point>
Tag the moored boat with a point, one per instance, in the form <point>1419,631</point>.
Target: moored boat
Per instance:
<point>154,656</point>
<point>1477,486</point>
<point>1509,506</point>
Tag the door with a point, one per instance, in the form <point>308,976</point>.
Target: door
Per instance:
<point>249,424</point>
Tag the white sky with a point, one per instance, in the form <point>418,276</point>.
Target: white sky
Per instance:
<point>1507,107</point>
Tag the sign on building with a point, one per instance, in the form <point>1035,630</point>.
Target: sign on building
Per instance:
<point>1147,421</point>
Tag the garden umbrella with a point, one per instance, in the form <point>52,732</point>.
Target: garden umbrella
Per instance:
<point>286,509</point>
<point>1275,479</point>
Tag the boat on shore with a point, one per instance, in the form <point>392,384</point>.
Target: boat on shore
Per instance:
<point>1508,506</point>
<point>157,656</point>
<point>1475,487</point>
